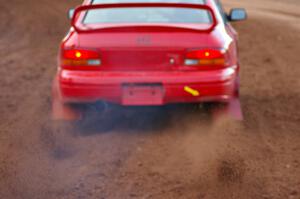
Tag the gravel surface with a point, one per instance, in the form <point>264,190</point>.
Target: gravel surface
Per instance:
<point>160,153</point>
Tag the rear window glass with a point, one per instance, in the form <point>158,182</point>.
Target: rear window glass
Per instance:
<point>148,15</point>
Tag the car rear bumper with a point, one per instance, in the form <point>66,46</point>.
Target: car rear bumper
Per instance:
<point>147,88</point>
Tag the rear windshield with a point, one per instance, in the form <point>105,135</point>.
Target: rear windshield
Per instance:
<point>148,15</point>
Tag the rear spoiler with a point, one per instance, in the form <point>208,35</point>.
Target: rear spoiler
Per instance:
<point>79,27</point>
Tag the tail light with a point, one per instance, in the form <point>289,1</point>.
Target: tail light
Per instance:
<point>80,59</point>
<point>207,58</point>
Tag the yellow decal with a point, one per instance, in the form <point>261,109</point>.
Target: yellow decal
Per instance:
<point>191,91</point>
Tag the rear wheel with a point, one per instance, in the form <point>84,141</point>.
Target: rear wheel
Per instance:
<point>90,118</point>
<point>231,109</point>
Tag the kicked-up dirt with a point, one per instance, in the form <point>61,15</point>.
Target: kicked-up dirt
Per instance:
<point>160,153</point>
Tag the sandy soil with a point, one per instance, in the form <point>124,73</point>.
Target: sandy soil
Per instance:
<point>166,153</point>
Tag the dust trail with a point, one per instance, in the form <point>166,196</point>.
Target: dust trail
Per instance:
<point>218,156</point>
<point>181,154</point>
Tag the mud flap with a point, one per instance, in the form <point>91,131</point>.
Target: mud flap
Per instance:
<point>231,110</point>
<point>61,111</point>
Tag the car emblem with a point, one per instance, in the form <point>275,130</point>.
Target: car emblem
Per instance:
<point>172,61</point>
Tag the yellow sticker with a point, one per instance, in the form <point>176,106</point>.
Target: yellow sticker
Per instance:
<point>191,91</point>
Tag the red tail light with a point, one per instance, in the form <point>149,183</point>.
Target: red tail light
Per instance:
<point>207,57</point>
<point>80,59</point>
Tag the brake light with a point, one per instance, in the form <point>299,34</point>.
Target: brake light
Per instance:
<point>207,57</point>
<point>75,59</point>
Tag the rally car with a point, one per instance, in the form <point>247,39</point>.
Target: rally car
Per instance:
<point>147,53</point>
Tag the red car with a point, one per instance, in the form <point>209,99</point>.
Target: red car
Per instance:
<point>147,53</point>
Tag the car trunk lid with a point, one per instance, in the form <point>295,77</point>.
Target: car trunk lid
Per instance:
<point>155,51</point>
<point>143,42</point>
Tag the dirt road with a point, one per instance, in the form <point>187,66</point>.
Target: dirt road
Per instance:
<point>162,153</point>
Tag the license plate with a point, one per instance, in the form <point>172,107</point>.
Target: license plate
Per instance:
<point>142,94</point>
